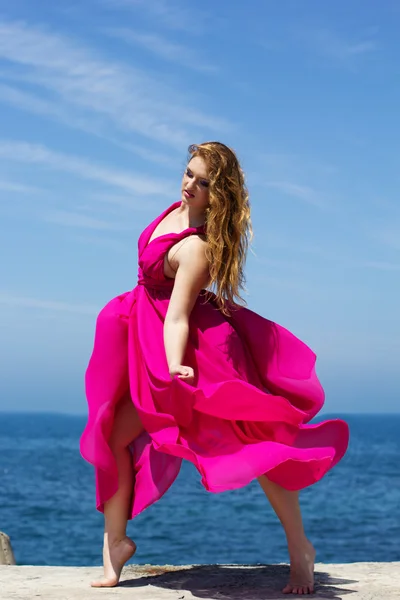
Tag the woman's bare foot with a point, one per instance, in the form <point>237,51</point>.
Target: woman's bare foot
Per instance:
<point>302,558</point>
<point>115,555</point>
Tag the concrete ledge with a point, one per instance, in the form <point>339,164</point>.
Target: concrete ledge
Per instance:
<point>359,581</point>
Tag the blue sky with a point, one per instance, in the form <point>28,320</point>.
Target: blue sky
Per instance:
<point>99,101</point>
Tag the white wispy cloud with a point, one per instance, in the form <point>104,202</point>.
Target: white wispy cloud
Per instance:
<point>173,15</point>
<point>389,236</point>
<point>289,173</point>
<point>382,266</point>
<point>301,192</point>
<point>60,112</point>
<point>337,47</point>
<point>96,90</point>
<point>289,166</point>
<point>73,219</point>
<point>49,305</point>
<point>125,202</point>
<point>163,48</point>
<point>10,186</point>
<point>289,283</point>
<point>81,167</point>
<point>168,159</point>
<point>107,243</point>
<point>279,263</point>
<point>319,252</point>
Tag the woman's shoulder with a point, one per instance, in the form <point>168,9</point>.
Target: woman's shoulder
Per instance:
<point>191,253</point>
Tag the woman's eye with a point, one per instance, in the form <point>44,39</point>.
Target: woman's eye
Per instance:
<point>203,182</point>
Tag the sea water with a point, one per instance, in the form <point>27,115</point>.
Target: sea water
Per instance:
<point>47,503</point>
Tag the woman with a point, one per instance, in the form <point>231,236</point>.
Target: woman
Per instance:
<point>180,372</point>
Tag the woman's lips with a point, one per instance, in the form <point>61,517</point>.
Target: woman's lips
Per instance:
<point>188,194</point>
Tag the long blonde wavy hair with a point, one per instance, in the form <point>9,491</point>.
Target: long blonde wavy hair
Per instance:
<point>228,223</point>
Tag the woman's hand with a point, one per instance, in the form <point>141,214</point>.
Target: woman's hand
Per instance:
<point>183,372</point>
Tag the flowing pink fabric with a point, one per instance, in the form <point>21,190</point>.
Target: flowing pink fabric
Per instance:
<point>245,415</point>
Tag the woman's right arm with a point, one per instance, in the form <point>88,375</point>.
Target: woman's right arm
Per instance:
<point>192,275</point>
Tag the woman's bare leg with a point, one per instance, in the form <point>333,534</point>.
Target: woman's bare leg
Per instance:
<point>118,547</point>
<point>301,551</point>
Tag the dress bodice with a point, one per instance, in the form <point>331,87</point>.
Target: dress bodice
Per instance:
<point>151,253</point>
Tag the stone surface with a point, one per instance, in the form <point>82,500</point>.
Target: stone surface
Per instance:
<point>358,581</point>
<point>6,551</point>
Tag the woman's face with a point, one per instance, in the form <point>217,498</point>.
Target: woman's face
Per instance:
<point>195,183</point>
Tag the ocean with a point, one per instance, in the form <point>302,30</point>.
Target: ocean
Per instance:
<point>47,503</point>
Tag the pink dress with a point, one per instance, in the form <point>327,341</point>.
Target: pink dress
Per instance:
<point>245,415</point>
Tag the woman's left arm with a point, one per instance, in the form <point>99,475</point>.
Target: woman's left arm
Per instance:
<point>192,275</point>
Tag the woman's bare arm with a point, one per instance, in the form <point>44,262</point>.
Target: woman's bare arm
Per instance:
<point>191,277</point>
